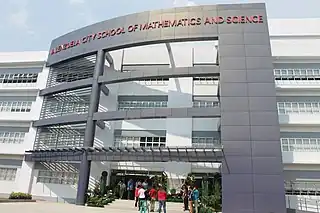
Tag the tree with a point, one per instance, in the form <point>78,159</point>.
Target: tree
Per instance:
<point>217,197</point>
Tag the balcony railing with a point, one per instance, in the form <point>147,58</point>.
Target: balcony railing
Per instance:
<point>302,188</point>
<point>298,107</point>
<point>297,76</point>
<point>300,144</point>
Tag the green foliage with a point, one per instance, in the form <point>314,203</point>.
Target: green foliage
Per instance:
<point>213,201</point>
<point>189,181</point>
<point>173,191</point>
<point>97,198</point>
<point>95,202</point>
<point>204,209</point>
<point>161,179</point>
<point>20,196</point>
<point>175,199</point>
<point>205,186</point>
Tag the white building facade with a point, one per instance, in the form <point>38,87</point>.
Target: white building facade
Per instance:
<point>297,75</point>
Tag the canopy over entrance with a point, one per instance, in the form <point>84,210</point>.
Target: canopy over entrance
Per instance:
<point>138,154</point>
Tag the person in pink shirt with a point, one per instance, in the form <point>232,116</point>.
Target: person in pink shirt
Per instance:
<point>136,195</point>
<point>162,197</point>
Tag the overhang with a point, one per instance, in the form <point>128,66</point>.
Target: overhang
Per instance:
<point>137,154</point>
<point>112,76</point>
<point>154,113</point>
<point>67,87</point>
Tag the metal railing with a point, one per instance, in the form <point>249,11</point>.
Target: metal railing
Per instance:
<point>302,203</point>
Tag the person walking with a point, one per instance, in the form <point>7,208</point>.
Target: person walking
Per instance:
<point>142,198</point>
<point>130,188</point>
<point>195,199</point>
<point>185,197</point>
<point>162,198</point>
<point>190,195</point>
<point>153,197</point>
<point>145,184</point>
<point>136,196</point>
<point>122,188</point>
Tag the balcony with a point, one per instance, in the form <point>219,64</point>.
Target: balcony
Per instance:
<point>205,86</point>
<point>299,113</point>
<point>300,150</point>
<point>297,78</point>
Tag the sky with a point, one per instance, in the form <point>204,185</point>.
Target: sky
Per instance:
<point>30,25</point>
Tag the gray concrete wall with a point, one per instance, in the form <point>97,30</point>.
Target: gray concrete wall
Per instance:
<point>250,130</point>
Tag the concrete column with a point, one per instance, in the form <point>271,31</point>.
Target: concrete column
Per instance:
<point>250,131</point>
<point>90,128</point>
<point>25,177</point>
<point>83,182</point>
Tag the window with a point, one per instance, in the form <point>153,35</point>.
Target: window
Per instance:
<point>12,137</point>
<point>127,141</point>
<point>298,107</point>
<point>297,75</point>
<point>300,144</point>
<point>58,177</point>
<point>205,80</point>
<point>65,107</point>
<point>70,76</point>
<point>15,106</point>
<point>205,104</point>
<point>8,174</point>
<point>128,105</point>
<point>19,78</point>
<point>62,139</point>
<point>155,82</point>
<point>205,142</point>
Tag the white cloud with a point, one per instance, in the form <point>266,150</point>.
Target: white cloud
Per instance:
<point>19,17</point>
<point>183,3</point>
<point>74,2</point>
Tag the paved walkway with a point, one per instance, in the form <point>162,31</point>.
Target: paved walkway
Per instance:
<point>119,206</point>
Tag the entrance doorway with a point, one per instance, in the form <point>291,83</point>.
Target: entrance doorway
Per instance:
<point>136,176</point>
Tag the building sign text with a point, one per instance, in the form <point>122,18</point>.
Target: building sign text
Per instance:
<point>184,22</point>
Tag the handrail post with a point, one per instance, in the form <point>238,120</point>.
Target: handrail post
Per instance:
<point>305,202</point>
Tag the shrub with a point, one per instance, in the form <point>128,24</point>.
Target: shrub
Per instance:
<point>95,202</point>
<point>20,196</point>
<point>94,198</point>
<point>204,209</point>
<point>175,199</point>
<point>173,191</point>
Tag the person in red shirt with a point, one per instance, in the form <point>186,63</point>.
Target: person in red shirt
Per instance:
<point>136,195</point>
<point>153,197</point>
<point>162,197</point>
